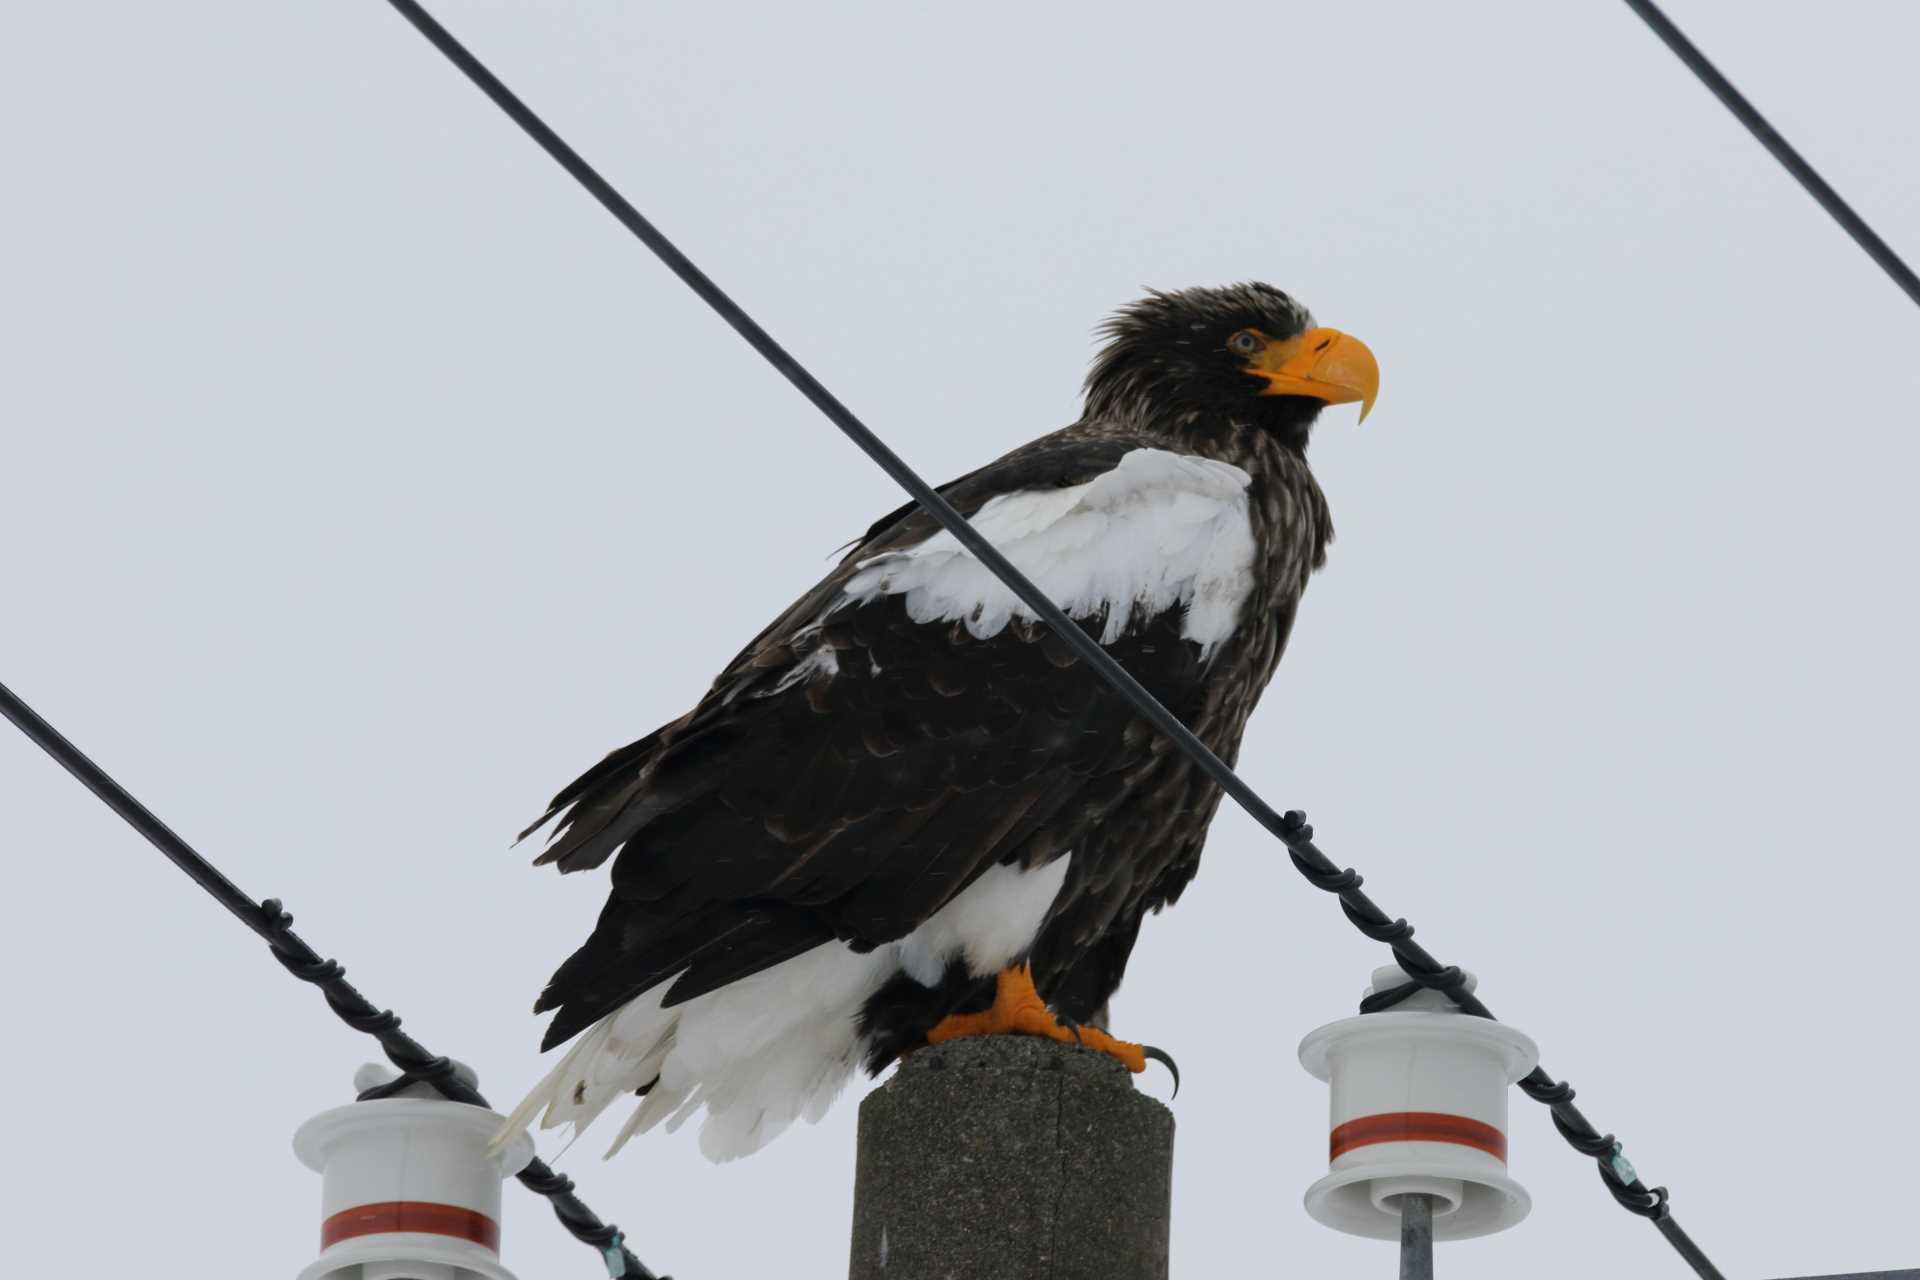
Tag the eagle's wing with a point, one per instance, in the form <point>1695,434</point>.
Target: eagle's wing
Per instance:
<point>904,726</point>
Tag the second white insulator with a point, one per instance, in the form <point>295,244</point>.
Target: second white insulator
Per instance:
<point>409,1187</point>
<point>1418,1103</point>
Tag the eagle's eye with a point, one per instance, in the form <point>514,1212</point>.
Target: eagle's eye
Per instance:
<point>1246,343</point>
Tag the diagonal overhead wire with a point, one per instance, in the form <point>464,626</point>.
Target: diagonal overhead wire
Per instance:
<point>1792,161</point>
<point>1291,828</point>
<point>273,924</point>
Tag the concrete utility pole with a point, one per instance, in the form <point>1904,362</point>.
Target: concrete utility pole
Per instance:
<point>1008,1157</point>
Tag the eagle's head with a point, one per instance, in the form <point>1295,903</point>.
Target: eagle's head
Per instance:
<point>1240,356</point>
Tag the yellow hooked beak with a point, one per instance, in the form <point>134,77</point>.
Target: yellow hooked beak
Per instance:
<point>1323,363</point>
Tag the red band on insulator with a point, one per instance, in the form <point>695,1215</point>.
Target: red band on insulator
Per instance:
<point>411,1215</point>
<point>1417,1126</point>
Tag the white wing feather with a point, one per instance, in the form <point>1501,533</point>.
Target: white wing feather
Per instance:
<point>1158,531</point>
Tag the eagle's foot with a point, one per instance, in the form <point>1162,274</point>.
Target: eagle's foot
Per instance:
<point>1018,1010</point>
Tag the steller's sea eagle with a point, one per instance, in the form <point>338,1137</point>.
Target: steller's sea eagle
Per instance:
<point>906,812</point>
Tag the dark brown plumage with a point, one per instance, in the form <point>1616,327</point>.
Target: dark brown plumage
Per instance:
<point>861,763</point>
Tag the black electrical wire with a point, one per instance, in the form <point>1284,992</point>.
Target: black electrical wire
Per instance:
<point>1790,160</point>
<point>1291,829</point>
<point>267,919</point>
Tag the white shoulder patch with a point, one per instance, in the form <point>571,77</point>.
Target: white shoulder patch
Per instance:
<point>1161,529</point>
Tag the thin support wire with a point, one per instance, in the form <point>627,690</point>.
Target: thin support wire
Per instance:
<point>1291,829</point>
<point>267,919</point>
<point>1792,161</point>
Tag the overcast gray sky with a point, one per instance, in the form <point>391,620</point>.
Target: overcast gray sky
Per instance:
<point>365,482</point>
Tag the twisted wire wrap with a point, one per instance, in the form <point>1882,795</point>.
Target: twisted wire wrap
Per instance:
<point>1423,971</point>
<point>275,926</point>
<point>419,1066</point>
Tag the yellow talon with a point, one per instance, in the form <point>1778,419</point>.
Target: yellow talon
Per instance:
<point>1018,1010</point>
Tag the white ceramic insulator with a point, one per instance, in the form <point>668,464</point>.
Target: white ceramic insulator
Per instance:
<point>1418,1104</point>
<point>408,1188</point>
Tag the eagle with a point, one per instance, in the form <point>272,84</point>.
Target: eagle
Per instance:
<point>907,811</point>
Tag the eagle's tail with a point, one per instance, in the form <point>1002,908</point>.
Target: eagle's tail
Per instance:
<point>621,1054</point>
<point>755,1054</point>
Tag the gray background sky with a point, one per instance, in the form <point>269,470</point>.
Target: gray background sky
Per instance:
<point>364,482</point>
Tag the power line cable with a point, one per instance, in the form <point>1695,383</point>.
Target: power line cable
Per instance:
<point>267,919</point>
<point>1291,829</point>
<point>1790,160</point>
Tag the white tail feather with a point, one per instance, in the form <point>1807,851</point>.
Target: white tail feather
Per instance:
<point>778,1045</point>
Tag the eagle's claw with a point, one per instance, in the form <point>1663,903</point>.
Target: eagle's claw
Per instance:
<point>1165,1059</point>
